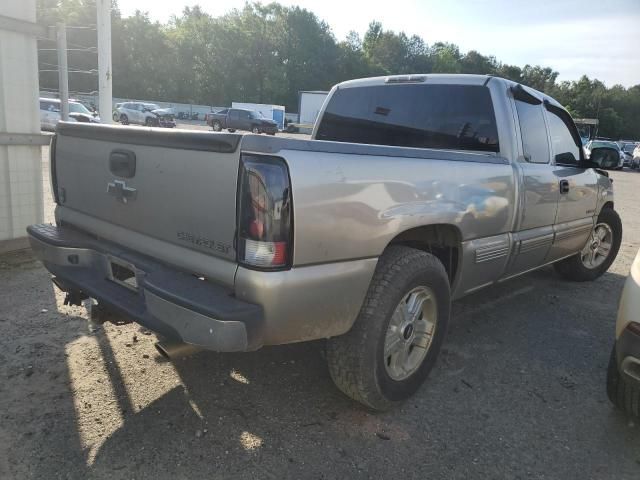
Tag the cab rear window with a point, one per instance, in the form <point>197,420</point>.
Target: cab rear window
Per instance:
<point>456,117</point>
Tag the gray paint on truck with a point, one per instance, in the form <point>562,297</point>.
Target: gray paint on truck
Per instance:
<point>350,201</point>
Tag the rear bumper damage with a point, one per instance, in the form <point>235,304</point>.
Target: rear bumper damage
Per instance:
<point>172,303</point>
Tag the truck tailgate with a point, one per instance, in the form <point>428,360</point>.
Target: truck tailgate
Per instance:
<point>174,186</point>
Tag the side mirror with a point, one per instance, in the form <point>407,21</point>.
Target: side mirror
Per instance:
<point>604,157</point>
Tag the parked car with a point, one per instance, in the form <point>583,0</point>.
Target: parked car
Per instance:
<point>50,113</point>
<point>240,119</point>
<point>627,148</point>
<point>448,184</point>
<point>148,114</point>
<point>623,375</point>
<point>613,146</point>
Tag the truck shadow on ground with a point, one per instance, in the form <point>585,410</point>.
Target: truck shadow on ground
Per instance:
<point>275,413</point>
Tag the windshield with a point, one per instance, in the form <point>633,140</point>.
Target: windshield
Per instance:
<point>78,108</point>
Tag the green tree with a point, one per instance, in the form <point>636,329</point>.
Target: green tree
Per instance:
<point>268,52</point>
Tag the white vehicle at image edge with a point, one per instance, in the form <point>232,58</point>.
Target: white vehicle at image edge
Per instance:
<point>623,375</point>
<point>50,113</point>
<point>635,163</point>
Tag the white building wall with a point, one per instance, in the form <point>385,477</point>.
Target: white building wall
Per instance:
<point>21,202</point>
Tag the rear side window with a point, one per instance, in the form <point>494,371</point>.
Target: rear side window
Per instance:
<point>534,132</point>
<point>458,117</point>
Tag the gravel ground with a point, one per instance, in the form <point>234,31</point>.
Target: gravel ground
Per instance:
<point>518,392</point>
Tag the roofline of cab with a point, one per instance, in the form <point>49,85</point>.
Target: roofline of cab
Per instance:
<point>438,78</point>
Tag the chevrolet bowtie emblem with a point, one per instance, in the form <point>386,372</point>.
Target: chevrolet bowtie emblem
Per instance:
<point>120,190</point>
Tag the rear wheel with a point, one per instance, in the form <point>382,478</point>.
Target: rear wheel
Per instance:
<point>620,392</point>
<point>124,120</point>
<point>394,342</point>
<point>598,254</point>
<point>216,126</point>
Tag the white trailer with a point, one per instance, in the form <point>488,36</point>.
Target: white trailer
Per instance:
<point>309,105</point>
<point>274,112</point>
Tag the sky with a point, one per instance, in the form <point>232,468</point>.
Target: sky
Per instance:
<point>599,38</point>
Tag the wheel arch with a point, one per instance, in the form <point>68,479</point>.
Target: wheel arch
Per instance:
<point>444,241</point>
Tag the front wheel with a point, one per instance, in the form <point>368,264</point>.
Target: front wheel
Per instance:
<point>216,126</point>
<point>598,254</point>
<point>394,342</point>
<point>255,130</point>
<point>124,120</point>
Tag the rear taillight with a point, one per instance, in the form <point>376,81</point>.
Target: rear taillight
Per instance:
<point>264,213</point>
<point>52,169</point>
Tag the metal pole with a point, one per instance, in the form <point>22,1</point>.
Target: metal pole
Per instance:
<point>63,74</point>
<point>103,15</point>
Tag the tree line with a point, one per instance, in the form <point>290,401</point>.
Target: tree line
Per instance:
<point>266,53</point>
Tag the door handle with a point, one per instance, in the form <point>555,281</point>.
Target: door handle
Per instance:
<point>564,186</point>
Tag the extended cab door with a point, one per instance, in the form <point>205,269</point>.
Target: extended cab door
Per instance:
<point>539,192</point>
<point>578,186</point>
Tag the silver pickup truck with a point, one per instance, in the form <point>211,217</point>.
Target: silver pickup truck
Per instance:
<point>414,191</point>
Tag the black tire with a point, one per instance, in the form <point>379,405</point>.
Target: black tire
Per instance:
<point>231,130</point>
<point>124,120</point>
<point>216,126</point>
<point>148,122</point>
<point>255,129</point>
<point>573,269</point>
<point>621,393</point>
<point>356,360</point>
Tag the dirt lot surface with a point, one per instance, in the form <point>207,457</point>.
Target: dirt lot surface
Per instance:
<point>518,392</point>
